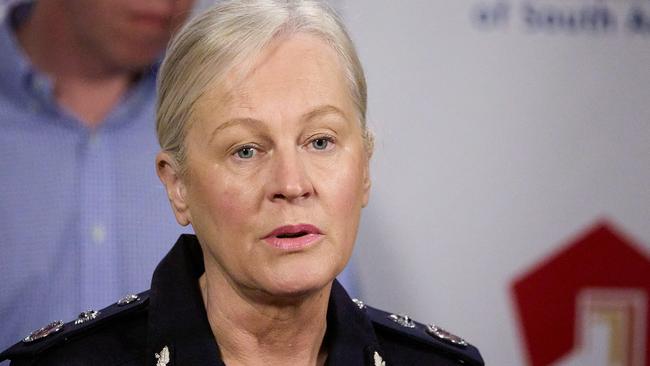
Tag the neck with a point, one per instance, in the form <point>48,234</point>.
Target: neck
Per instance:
<point>85,82</point>
<point>252,330</point>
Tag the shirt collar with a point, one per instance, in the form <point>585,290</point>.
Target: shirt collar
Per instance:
<point>17,77</point>
<point>178,320</point>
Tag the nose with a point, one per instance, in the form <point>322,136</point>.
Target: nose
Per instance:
<point>290,180</point>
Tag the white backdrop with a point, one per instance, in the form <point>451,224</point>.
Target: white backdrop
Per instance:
<point>499,137</point>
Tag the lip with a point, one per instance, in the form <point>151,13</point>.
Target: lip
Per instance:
<point>283,236</point>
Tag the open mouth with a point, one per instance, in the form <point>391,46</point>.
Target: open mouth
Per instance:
<point>293,231</point>
<point>292,235</point>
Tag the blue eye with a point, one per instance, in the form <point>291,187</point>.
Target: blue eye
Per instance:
<point>246,152</point>
<point>320,144</point>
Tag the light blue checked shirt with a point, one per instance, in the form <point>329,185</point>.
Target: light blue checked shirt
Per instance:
<point>83,217</point>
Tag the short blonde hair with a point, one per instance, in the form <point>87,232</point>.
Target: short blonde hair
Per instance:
<point>231,34</point>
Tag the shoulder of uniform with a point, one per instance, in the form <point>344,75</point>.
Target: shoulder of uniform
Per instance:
<point>58,332</point>
<point>407,330</point>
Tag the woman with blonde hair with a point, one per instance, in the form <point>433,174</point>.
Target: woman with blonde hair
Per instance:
<point>265,152</point>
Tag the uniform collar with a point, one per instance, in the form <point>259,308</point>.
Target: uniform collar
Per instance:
<point>177,317</point>
<point>178,320</point>
<point>351,336</point>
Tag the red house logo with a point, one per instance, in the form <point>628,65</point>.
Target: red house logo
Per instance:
<point>587,304</point>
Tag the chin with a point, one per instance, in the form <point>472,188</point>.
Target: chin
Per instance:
<point>299,273</point>
<point>295,282</point>
<point>134,60</point>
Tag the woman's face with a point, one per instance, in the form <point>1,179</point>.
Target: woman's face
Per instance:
<point>277,172</point>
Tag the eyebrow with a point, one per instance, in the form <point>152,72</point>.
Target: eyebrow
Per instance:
<point>316,112</point>
<point>234,122</point>
<point>322,110</point>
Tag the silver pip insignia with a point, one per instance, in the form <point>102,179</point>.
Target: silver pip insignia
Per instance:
<point>440,333</point>
<point>403,320</point>
<point>359,303</point>
<point>128,299</point>
<point>44,332</point>
<point>86,316</point>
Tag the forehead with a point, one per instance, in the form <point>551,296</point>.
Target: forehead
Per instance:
<point>290,76</point>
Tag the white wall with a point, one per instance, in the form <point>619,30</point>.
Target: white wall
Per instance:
<point>495,145</point>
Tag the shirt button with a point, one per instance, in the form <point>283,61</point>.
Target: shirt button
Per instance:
<point>40,84</point>
<point>98,234</point>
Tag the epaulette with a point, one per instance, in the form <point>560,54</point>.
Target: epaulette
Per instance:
<point>57,332</point>
<point>430,335</point>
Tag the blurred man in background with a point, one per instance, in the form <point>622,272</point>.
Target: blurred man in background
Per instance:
<point>80,205</point>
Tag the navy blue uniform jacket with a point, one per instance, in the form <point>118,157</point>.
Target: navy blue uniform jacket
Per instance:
<point>172,315</point>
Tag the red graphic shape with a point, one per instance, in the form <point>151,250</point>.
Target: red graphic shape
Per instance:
<point>545,297</point>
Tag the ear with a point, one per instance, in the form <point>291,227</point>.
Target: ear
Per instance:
<point>169,174</point>
<point>367,183</point>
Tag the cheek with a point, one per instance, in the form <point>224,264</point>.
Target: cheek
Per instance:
<point>351,178</point>
<point>346,191</point>
<point>343,193</point>
<point>229,202</point>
